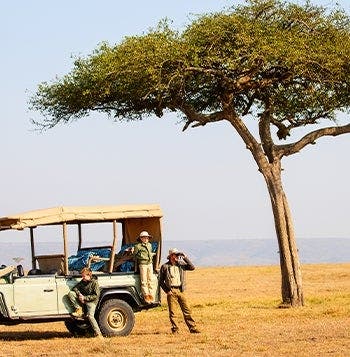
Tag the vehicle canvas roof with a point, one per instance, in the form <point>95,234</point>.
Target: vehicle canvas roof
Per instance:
<point>78,214</point>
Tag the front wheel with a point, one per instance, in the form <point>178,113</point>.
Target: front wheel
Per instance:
<point>116,318</point>
<point>79,328</point>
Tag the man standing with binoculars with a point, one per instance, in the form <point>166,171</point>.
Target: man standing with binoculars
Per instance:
<point>172,280</point>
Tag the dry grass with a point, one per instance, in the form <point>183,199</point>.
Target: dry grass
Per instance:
<point>236,310</point>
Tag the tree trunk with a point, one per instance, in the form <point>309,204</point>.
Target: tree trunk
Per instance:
<point>292,290</point>
<point>268,160</point>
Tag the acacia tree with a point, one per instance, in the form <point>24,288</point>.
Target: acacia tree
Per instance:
<point>281,65</point>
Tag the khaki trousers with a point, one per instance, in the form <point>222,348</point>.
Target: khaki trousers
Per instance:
<point>177,297</point>
<point>146,275</point>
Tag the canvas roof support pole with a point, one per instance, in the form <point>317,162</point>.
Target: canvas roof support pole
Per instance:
<point>32,247</point>
<point>111,260</point>
<point>79,235</point>
<point>65,247</point>
<point>159,249</point>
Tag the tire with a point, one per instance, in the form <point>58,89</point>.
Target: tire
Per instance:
<point>79,328</point>
<point>116,318</point>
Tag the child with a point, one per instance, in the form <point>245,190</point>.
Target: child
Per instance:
<point>143,256</point>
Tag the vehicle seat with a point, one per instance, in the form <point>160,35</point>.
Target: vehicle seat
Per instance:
<point>34,272</point>
<point>50,264</point>
<point>20,270</point>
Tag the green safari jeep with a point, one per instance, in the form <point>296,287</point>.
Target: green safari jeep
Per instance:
<point>38,294</point>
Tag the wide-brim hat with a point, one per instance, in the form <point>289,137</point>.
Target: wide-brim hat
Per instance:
<point>173,251</point>
<point>144,234</point>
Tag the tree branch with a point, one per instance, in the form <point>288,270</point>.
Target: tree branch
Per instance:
<point>238,82</point>
<point>265,131</point>
<point>216,72</point>
<point>251,143</point>
<point>310,138</point>
<point>198,119</point>
<point>249,104</point>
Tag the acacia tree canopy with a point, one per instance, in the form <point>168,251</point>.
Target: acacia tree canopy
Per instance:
<point>290,60</point>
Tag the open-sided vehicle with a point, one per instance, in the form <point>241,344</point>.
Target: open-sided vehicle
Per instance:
<point>39,294</point>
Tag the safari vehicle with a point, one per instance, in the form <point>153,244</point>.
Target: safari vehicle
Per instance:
<point>39,294</point>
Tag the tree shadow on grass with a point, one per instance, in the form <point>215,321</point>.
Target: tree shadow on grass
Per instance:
<point>32,335</point>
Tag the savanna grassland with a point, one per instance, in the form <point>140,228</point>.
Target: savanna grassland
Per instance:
<point>237,312</point>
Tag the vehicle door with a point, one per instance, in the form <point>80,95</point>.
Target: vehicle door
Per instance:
<point>35,295</point>
<point>64,285</point>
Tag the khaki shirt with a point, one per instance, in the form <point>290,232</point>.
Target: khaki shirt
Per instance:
<point>175,279</point>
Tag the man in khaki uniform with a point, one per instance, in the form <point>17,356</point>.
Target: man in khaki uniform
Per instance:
<point>172,280</point>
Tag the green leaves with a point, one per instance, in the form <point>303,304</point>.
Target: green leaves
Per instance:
<point>292,60</point>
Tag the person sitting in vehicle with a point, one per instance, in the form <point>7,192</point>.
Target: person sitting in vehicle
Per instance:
<point>86,294</point>
<point>143,256</point>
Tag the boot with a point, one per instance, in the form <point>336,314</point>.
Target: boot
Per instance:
<point>78,312</point>
<point>148,299</point>
<point>194,330</point>
<point>99,336</point>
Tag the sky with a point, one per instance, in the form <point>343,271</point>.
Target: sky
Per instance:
<point>204,179</point>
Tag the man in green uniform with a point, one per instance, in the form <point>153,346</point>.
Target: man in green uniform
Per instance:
<point>86,293</point>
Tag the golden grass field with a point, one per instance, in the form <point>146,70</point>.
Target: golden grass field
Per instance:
<point>236,309</point>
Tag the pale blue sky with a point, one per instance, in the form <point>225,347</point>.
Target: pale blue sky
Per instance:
<point>204,179</point>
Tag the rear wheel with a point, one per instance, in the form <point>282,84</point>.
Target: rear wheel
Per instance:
<point>79,328</point>
<point>116,318</point>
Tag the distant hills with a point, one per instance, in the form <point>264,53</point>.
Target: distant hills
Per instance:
<point>221,252</point>
<point>233,252</point>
